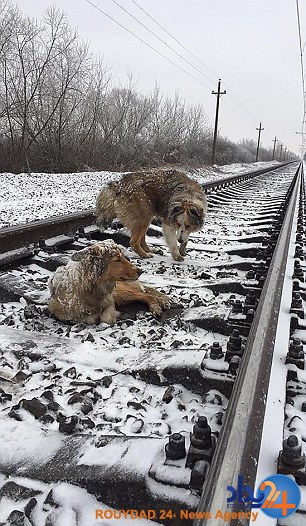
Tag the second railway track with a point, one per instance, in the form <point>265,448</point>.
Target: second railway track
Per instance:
<point>137,413</point>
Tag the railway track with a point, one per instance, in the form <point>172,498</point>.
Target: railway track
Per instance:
<point>162,413</point>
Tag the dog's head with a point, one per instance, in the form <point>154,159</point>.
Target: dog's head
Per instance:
<point>105,262</point>
<point>187,217</point>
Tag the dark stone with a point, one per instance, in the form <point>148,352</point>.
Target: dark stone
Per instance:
<point>34,406</point>
<point>106,381</point>
<point>75,398</point>
<point>87,423</point>
<point>71,372</point>
<point>5,397</point>
<point>168,395</point>
<point>67,424</point>
<point>29,507</point>
<point>47,419</point>
<point>50,500</point>
<point>16,492</point>
<point>136,405</point>
<point>86,408</point>
<point>20,377</point>
<point>53,406</point>
<point>90,338</point>
<point>14,414</point>
<point>16,518</point>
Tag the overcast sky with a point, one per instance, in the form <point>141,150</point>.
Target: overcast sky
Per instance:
<point>252,45</point>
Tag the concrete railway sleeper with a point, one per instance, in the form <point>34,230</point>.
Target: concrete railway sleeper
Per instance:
<point>143,413</point>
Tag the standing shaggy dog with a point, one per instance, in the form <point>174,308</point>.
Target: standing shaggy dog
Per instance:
<point>94,280</point>
<point>136,198</point>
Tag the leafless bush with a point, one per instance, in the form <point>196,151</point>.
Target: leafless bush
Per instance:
<point>59,110</point>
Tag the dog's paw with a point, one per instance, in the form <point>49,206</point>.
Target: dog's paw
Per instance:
<point>177,257</point>
<point>183,249</point>
<point>167,303</point>
<point>109,316</point>
<point>155,308</point>
<point>156,250</point>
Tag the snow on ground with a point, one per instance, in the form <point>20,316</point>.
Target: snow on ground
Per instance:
<point>108,356</point>
<point>30,197</point>
<point>58,504</point>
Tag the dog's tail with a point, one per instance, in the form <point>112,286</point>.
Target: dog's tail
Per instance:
<point>105,206</point>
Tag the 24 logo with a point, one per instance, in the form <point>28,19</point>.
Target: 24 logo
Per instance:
<point>277,495</point>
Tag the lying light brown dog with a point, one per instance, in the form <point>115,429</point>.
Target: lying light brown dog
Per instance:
<point>94,281</point>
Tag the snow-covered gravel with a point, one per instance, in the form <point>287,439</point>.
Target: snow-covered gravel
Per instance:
<point>112,358</point>
<point>29,197</point>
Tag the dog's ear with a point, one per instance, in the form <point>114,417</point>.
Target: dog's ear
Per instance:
<point>175,210</point>
<point>79,255</point>
<point>196,214</point>
<point>101,255</point>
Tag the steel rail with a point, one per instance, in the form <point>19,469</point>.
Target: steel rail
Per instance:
<point>239,442</point>
<point>227,181</point>
<point>15,237</point>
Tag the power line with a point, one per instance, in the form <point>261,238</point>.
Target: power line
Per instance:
<point>235,99</point>
<point>146,43</point>
<point>161,40</point>
<point>176,40</point>
<point>159,52</point>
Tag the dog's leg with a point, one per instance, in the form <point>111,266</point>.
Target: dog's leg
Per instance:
<point>109,315</point>
<point>170,237</point>
<point>151,250</point>
<point>91,319</point>
<point>157,301</point>
<point>128,292</point>
<point>138,232</point>
<point>183,248</point>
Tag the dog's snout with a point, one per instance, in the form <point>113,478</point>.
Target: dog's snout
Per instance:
<point>139,271</point>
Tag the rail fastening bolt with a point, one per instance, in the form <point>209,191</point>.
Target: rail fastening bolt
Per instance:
<point>234,365</point>
<point>292,452</point>
<point>250,316</point>
<point>237,306</point>
<point>250,302</point>
<point>200,437</point>
<point>216,351</point>
<point>250,274</point>
<point>296,349</point>
<point>175,449</point>
<point>234,346</point>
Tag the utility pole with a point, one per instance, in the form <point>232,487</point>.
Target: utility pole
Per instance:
<point>260,129</point>
<point>303,134</point>
<point>280,153</point>
<point>218,93</point>
<point>274,144</point>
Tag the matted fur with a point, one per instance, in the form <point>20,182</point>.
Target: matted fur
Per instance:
<point>94,281</point>
<point>82,289</point>
<point>136,198</point>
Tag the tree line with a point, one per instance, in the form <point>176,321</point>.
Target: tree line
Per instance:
<point>60,111</point>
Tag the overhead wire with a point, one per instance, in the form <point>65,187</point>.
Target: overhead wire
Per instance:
<point>241,108</point>
<point>146,43</point>
<point>235,99</point>
<point>302,73</point>
<point>161,40</point>
<point>176,40</point>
